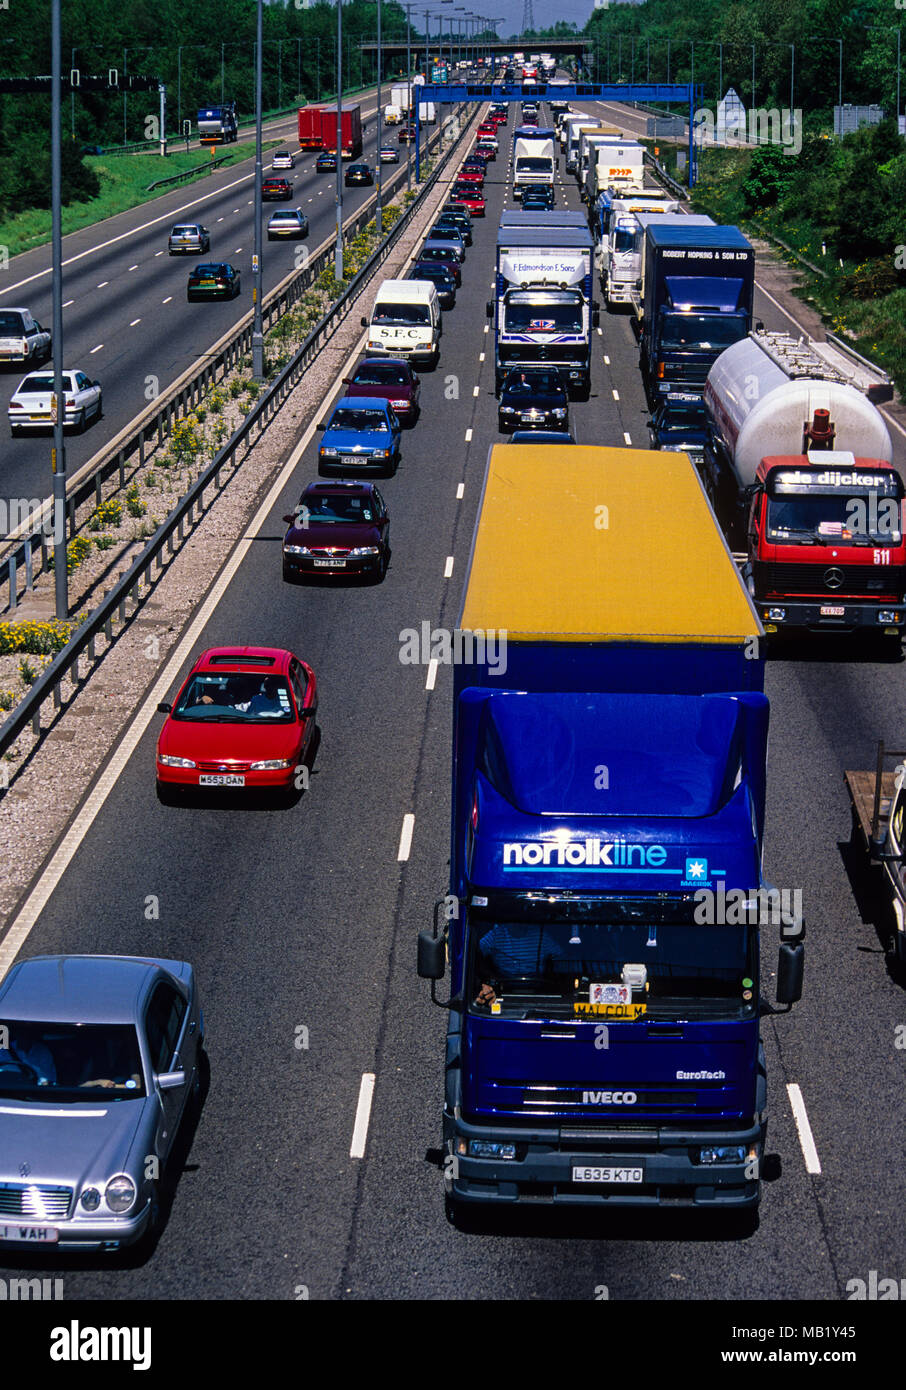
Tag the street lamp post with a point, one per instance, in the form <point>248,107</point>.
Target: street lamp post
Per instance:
<point>338,249</point>
<point>378,215</point>
<point>58,454</point>
<point>257,277</point>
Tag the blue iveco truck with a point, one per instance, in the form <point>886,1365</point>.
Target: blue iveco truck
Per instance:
<point>608,803</point>
<point>694,300</point>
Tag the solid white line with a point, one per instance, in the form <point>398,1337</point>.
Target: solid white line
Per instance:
<point>448,567</point>
<point>43,890</point>
<point>405,838</point>
<point>432,674</point>
<point>626,437</point>
<point>469,435</point>
<point>94,350</point>
<point>167,300</point>
<point>362,1116</point>
<point>134,322</point>
<point>461,492</point>
<point>806,1139</point>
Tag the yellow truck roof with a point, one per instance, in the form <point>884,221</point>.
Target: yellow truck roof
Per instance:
<point>585,543</point>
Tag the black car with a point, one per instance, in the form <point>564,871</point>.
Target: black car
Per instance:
<point>216,280</point>
<point>440,276</point>
<point>539,195</point>
<point>432,253</point>
<point>460,220</point>
<point>533,398</point>
<point>358,174</point>
<point>326,163</point>
<point>276,189</point>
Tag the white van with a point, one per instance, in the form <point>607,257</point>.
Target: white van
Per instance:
<point>405,322</point>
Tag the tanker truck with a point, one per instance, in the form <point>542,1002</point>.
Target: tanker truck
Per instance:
<point>795,436</point>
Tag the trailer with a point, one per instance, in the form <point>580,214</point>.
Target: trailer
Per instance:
<point>877,799</point>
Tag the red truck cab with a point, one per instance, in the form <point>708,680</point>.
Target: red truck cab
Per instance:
<point>826,550</point>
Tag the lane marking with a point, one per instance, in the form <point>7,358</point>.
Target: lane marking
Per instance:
<point>626,437</point>
<point>362,1115</point>
<point>481,357</point>
<point>67,303</point>
<point>432,674</point>
<point>606,360</point>
<point>475,390</point>
<point>806,1138</point>
<point>167,300</point>
<point>102,284</point>
<point>448,567</point>
<point>460,492</point>
<point>132,267</point>
<point>469,435</point>
<point>405,838</point>
<point>45,886</point>
<point>95,349</point>
<point>134,322</point>
<point>616,394</point>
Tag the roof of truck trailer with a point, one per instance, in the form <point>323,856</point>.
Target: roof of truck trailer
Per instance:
<point>601,545</point>
<point>685,233</point>
<point>539,236</point>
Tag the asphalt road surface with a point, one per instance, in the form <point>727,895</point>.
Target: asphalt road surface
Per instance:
<point>308,917</point>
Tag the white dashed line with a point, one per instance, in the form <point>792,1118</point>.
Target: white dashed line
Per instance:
<point>406,838</point>
<point>94,350</point>
<point>600,332</point>
<point>432,674</point>
<point>134,322</point>
<point>469,435</point>
<point>167,300</point>
<point>134,267</point>
<point>475,390</point>
<point>626,438</point>
<point>487,328</point>
<point>448,567</point>
<point>102,284</point>
<point>220,219</point>
<point>616,394</point>
<point>68,302</point>
<point>460,492</point>
<point>606,360</point>
<point>481,357</point>
<point>362,1116</point>
<point>806,1138</point>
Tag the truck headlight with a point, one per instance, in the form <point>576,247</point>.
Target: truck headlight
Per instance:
<point>167,761</point>
<point>119,1193</point>
<point>558,413</point>
<point>724,1153</point>
<point>375,343</point>
<point>776,615</point>
<point>887,615</point>
<point>486,1148</point>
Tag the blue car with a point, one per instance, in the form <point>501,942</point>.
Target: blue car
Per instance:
<point>363,432</point>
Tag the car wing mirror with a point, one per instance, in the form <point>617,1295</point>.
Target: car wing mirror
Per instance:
<point>164,708</point>
<point>170,1080</point>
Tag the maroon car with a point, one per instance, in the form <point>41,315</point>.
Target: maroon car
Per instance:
<point>390,378</point>
<point>276,189</point>
<point>470,196</point>
<point>338,529</point>
<point>440,254</point>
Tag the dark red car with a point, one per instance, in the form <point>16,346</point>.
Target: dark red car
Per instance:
<point>441,255</point>
<point>470,195</point>
<point>485,152</point>
<point>340,528</point>
<point>244,718</point>
<point>272,189</point>
<point>392,378</point>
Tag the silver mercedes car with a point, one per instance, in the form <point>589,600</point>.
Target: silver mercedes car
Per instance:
<point>100,1059</point>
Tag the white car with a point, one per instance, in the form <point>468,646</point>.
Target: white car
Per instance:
<point>283,159</point>
<point>29,407</point>
<point>22,339</point>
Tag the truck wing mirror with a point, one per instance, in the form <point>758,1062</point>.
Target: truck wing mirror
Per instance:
<point>489,308</point>
<point>432,956</point>
<point>595,315</point>
<point>363,322</point>
<point>790,967</point>
<point>759,326</point>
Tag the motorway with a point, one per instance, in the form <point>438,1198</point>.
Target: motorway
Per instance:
<point>126,320</point>
<point>308,917</point>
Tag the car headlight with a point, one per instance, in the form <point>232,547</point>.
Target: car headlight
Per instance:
<point>270,764</point>
<point>380,453</point>
<point>119,1193</point>
<point>559,413</point>
<point>90,1199</point>
<point>167,761</point>
<point>297,550</point>
<point>327,453</point>
<point>366,550</point>
<point>399,405</point>
<point>508,410</point>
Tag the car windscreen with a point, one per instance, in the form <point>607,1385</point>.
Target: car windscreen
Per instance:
<point>235,698</point>
<point>552,960</point>
<point>542,316</point>
<point>381,374</point>
<point>10,323</point>
<point>339,508</point>
<point>528,383</point>
<point>71,1062</point>
<point>438,274</point>
<point>702,331</point>
<point>437,253</point>
<point>44,383</point>
<point>359,421</point>
<point>400,314</point>
<point>833,516</point>
<point>184,231</point>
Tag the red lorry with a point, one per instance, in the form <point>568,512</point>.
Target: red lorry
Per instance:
<point>318,129</point>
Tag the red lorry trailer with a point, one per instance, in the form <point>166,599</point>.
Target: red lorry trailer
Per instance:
<point>318,129</point>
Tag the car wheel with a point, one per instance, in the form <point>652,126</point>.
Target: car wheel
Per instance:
<point>15,431</point>
<point>98,414</point>
<point>144,1246</point>
<point>79,426</point>
<point>290,576</point>
<point>167,794</point>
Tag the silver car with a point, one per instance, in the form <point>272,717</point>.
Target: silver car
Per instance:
<point>283,159</point>
<point>100,1058</point>
<point>287,222</point>
<point>189,236</point>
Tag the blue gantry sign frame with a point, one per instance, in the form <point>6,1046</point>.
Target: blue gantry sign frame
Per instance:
<point>647,93</point>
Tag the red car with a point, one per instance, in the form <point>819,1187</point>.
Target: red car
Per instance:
<point>485,152</point>
<point>470,175</point>
<point>487,128</point>
<point>471,197</point>
<point>244,718</point>
<point>390,377</point>
<point>276,188</point>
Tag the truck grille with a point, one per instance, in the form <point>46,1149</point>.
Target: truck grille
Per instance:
<point>34,1199</point>
<point>568,1098</point>
<point>786,578</point>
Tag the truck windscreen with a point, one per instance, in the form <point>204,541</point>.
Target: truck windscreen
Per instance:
<point>855,518</point>
<point>702,331</point>
<point>543,314</point>
<point>543,959</point>
<point>534,164</point>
